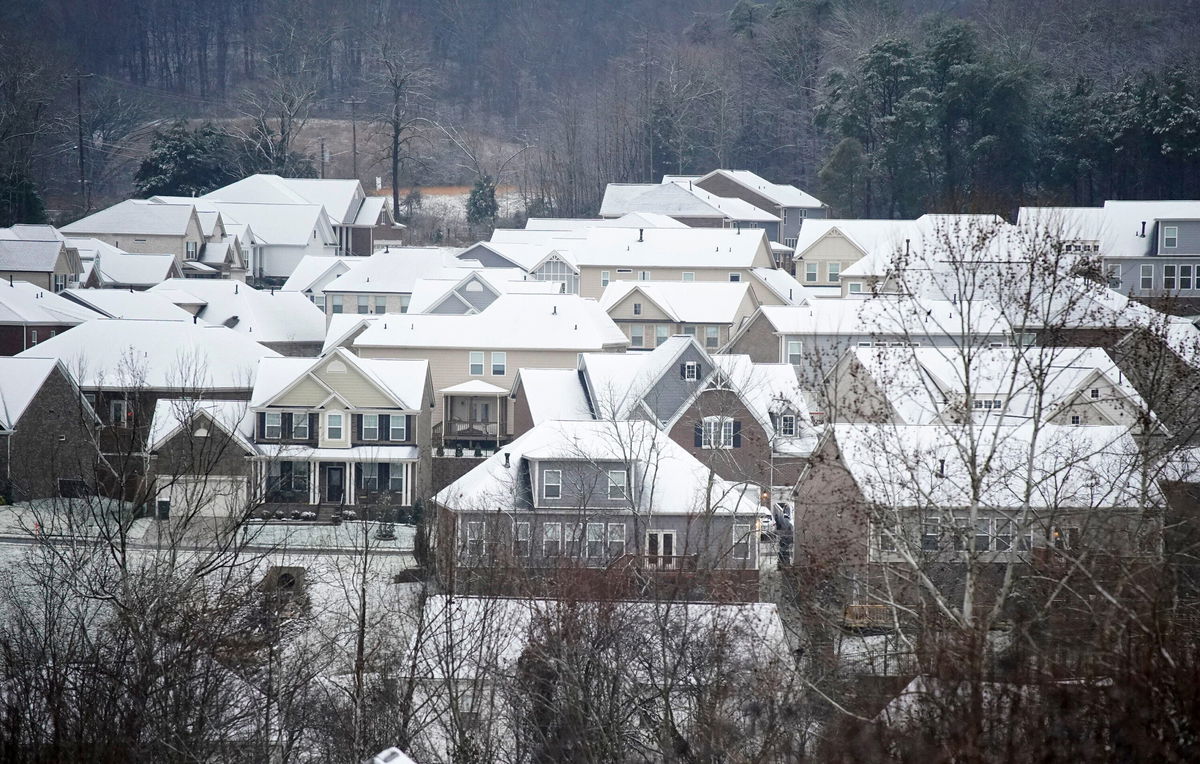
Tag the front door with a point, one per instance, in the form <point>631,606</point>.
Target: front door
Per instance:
<point>334,483</point>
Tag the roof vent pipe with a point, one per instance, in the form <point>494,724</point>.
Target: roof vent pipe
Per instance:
<point>235,287</point>
<point>641,234</point>
<point>555,311</point>
<point>195,319</point>
<point>906,241</point>
<point>506,462</point>
<point>1143,229</point>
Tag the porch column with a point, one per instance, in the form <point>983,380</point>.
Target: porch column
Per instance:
<point>314,482</point>
<point>348,492</point>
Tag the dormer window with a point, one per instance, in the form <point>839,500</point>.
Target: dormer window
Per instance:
<point>787,425</point>
<point>691,371</point>
<point>552,484</point>
<point>273,426</point>
<point>1170,236</point>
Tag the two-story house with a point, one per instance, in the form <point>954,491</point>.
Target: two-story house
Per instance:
<point>44,260</point>
<point>315,272</point>
<point>342,432</point>
<point>384,282</point>
<point>747,422</point>
<point>598,498</point>
<point>30,314</point>
<point>650,312</point>
<point>789,203</point>
<point>145,227</point>
<point>474,358</point>
<point>688,204</point>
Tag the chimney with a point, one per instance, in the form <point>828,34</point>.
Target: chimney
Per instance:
<point>507,464</point>
<point>641,234</point>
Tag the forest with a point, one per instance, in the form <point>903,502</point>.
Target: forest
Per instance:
<point>882,108</point>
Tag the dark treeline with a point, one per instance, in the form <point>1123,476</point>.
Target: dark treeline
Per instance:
<point>882,107</point>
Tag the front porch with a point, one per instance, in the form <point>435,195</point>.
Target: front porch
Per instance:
<point>474,415</point>
<point>334,487</point>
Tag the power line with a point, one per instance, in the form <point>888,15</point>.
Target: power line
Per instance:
<point>83,195</point>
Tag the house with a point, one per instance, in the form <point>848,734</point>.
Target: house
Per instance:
<point>30,314</point>
<point>944,385</point>
<point>588,259</point>
<point>118,303</point>
<point>470,291</point>
<point>790,204</point>
<point>813,337</point>
<point>145,227</point>
<point>315,272</point>
<point>50,264</point>
<point>384,282</point>
<point>357,219</point>
<point>342,432</point>
<point>1146,249</point>
<point>47,446</point>
<point>884,504</point>
<point>650,312</point>
<point>628,220</point>
<point>595,497</point>
<point>748,422</point>
<point>826,247</point>
<point>286,322</point>
<point>687,204</point>
<point>106,267</point>
<point>124,367</point>
<point>474,358</point>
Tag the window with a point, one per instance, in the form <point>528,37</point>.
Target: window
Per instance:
<point>521,540</point>
<point>885,540</point>
<point>637,309</point>
<point>475,363</point>
<point>790,242</point>
<point>689,276</point>
<point>636,337</point>
<point>616,540</point>
<point>33,337</point>
<point>475,538</point>
<point>1095,392</point>
<point>370,476</point>
<point>983,535</point>
<point>595,541</point>
<point>741,541</point>
<point>1147,282</point>
<point>691,371</point>
<point>735,277</point>
<point>793,352</point>
<point>661,333</point>
<point>396,472</point>
<point>717,433</point>
<point>191,250</point>
<point>1114,276</point>
<point>273,426</point>
<point>370,427</point>
<point>810,272</point>
<point>405,299</point>
<point>364,304</point>
<point>644,275</point>
<point>833,272</point>
<point>380,304</point>
<point>616,484</point>
<point>60,282</point>
<point>624,271</point>
<point>1076,419</point>
<point>604,278</point>
<point>397,427</point>
<point>787,425</point>
<point>336,303</point>
<point>1064,538</point>
<point>1169,278</point>
<point>552,484</point>
<point>689,331</point>
<point>333,426</point>
<point>660,549</point>
<point>572,538</point>
<point>499,363</point>
<point>121,413</point>
<point>1185,278</point>
<point>712,337</point>
<point>931,534</point>
<point>1170,236</point>
<point>287,477</point>
<point>551,539</point>
<point>319,301</point>
<point>855,287</point>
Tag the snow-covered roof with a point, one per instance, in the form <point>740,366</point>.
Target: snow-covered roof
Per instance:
<point>688,302</point>
<point>864,234</point>
<point>907,317</point>
<point>677,200</point>
<point>369,211</point>
<point>173,414</point>
<point>914,466</point>
<point>428,292</point>
<point>628,220</point>
<point>31,232</point>
<point>781,194</point>
<point>395,270</point>
<point>312,269</point>
<point>122,303</point>
<point>731,207</point>
<point>129,269</point>
<point>339,197</point>
<point>637,247</point>
<point>120,354</point>
<point>782,284</point>
<point>135,216</point>
<point>273,316</point>
<point>403,380</point>
<point>288,224</point>
<point>20,380</point>
<point>1117,226</point>
<point>24,256</point>
<point>666,478</point>
<point>767,389</point>
<point>474,387</point>
<point>25,303</point>
<point>553,394</point>
<point>512,321</point>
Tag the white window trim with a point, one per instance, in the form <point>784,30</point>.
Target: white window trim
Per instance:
<point>329,426</point>
<point>364,427</point>
<point>503,364</point>
<point>557,484</point>
<point>277,425</point>
<point>402,421</point>
<point>471,363</point>
<point>1166,236</point>
<point>623,484</point>
<point>711,427</point>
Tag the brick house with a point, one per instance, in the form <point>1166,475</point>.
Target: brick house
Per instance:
<point>30,314</point>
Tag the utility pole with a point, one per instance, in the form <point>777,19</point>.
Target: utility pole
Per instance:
<point>354,101</point>
<point>83,194</point>
<point>322,157</point>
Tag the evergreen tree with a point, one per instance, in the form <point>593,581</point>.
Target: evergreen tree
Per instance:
<point>185,162</point>
<point>20,201</point>
<point>481,204</point>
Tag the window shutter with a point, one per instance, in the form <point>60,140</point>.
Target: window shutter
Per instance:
<point>385,427</point>
<point>698,431</point>
<point>358,476</point>
<point>737,434</point>
<point>285,425</point>
<point>314,420</point>
<point>409,422</point>
<point>683,371</point>
<point>384,473</point>
<point>357,426</point>
<point>262,424</point>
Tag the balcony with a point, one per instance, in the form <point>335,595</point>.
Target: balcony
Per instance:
<point>474,411</point>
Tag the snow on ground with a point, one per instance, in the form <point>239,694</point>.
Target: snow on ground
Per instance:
<point>346,536</point>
